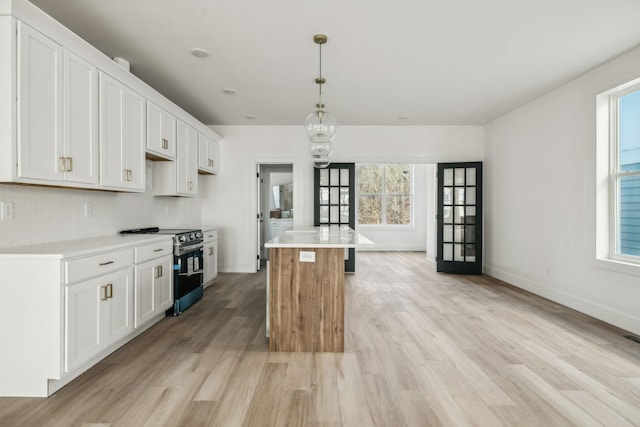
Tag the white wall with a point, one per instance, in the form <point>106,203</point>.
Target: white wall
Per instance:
<point>44,214</point>
<point>229,201</point>
<point>540,199</point>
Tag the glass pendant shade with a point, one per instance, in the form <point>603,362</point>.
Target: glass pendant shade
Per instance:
<point>320,126</point>
<point>320,150</point>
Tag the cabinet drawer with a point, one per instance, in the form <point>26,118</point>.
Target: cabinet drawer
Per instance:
<point>155,250</point>
<point>84,268</point>
<point>210,235</point>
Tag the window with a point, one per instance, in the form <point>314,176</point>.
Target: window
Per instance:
<point>384,194</point>
<point>619,127</point>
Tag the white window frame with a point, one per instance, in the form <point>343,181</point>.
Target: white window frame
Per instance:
<point>608,176</point>
<point>383,195</point>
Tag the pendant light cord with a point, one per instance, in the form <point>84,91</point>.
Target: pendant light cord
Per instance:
<point>320,84</point>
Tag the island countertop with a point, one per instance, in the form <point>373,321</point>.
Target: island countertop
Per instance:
<point>319,237</point>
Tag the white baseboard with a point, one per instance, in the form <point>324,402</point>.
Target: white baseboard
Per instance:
<point>237,268</point>
<point>606,314</point>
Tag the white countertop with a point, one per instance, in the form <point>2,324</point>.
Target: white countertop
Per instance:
<point>72,248</point>
<point>319,237</point>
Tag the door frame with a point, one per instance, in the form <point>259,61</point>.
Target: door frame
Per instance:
<point>461,267</point>
<point>255,189</point>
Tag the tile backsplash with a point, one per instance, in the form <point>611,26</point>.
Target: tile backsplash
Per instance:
<point>44,214</point>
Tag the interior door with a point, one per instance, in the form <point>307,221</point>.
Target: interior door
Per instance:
<point>334,201</point>
<point>459,218</point>
<point>259,219</point>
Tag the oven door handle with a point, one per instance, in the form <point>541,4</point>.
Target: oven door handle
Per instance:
<point>192,248</point>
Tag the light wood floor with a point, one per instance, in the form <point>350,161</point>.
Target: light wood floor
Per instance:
<point>421,349</point>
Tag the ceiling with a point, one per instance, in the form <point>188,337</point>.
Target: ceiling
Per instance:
<point>402,62</point>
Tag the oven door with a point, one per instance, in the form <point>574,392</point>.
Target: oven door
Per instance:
<point>188,270</point>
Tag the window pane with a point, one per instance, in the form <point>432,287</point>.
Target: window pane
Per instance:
<point>334,177</point>
<point>471,176</point>
<point>398,210</point>
<point>324,214</point>
<point>333,196</point>
<point>344,177</point>
<point>324,176</point>
<point>629,215</point>
<point>369,179</point>
<point>324,195</point>
<point>447,198</point>
<point>344,196</point>
<point>344,214</point>
<point>370,210</point>
<point>398,179</point>
<point>629,132</point>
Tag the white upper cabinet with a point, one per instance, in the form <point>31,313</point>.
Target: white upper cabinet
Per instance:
<point>58,111</point>
<point>179,178</point>
<point>80,119</point>
<point>187,161</point>
<point>74,118</point>
<point>208,155</point>
<point>40,106</point>
<point>122,136</point>
<point>161,133</point>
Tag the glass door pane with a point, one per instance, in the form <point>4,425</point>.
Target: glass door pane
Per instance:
<point>459,218</point>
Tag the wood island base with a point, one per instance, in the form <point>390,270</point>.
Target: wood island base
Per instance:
<point>306,300</point>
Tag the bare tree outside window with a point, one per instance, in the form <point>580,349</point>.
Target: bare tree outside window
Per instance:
<point>384,193</point>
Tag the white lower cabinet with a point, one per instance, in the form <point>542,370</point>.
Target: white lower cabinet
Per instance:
<point>210,248</point>
<point>153,289</point>
<point>81,298</point>
<point>98,312</point>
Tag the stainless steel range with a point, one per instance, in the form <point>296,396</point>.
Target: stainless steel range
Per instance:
<point>188,272</point>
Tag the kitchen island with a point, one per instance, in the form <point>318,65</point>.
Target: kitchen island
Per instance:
<point>305,288</point>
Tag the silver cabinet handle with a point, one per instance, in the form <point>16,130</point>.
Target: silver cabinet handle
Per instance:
<point>160,268</point>
<point>158,250</point>
<point>62,165</point>
<point>129,175</point>
<point>210,251</point>
<point>102,264</point>
<point>69,164</point>
<point>109,290</point>
<point>165,143</point>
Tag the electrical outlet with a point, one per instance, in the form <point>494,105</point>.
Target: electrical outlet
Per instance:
<point>6,210</point>
<point>88,209</point>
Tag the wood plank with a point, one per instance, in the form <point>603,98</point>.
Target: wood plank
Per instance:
<point>424,349</point>
<point>306,300</point>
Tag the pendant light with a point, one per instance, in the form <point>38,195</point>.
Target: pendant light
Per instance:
<point>320,126</point>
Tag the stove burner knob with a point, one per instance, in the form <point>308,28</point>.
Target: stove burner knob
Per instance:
<point>192,236</point>
<point>198,235</point>
<point>182,238</point>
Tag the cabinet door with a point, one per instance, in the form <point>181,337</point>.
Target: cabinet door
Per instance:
<point>83,306</point>
<point>214,156</point>
<point>161,132</point>
<point>204,163</point>
<point>187,158</point>
<point>112,132</point>
<point>40,106</point>
<point>164,284</point>
<point>135,135</point>
<point>118,320</point>
<point>153,289</point>
<point>80,120</point>
<point>144,292</point>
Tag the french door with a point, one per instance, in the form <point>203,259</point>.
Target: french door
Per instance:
<point>334,201</point>
<point>459,218</point>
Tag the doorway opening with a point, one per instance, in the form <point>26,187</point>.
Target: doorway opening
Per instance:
<point>275,204</point>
